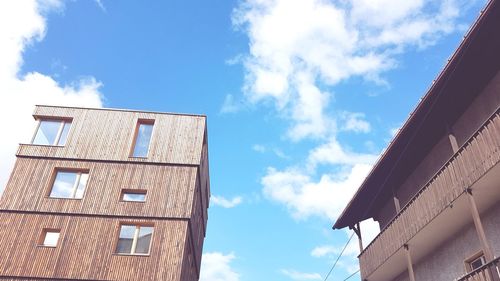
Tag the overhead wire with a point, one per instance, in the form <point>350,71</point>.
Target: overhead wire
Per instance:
<point>354,273</point>
<point>339,256</point>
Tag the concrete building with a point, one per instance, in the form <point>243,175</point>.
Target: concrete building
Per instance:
<point>105,194</point>
<point>435,192</point>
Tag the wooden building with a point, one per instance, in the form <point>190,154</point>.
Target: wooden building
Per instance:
<point>105,194</point>
<point>435,192</point>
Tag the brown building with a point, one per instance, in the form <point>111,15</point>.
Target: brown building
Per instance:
<point>104,194</point>
<point>435,192</point>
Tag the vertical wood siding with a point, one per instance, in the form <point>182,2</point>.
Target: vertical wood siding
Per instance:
<point>175,175</point>
<point>97,134</point>
<point>170,189</point>
<point>86,249</point>
<point>473,160</point>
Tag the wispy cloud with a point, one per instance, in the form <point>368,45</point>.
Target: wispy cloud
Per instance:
<point>354,122</point>
<point>304,197</point>
<point>22,24</point>
<point>216,266</point>
<point>296,275</point>
<point>299,51</point>
<point>100,5</point>
<point>226,203</point>
<point>229,105</point>
<point>298,46</point>
<point>259,148</point>
<point>276,151</point>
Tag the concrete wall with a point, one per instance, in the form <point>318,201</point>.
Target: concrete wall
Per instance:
<point>446,263</point>
<point>479,110</point>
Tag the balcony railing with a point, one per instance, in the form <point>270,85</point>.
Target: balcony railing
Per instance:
<point>487,272</point>
<point>480,153</point>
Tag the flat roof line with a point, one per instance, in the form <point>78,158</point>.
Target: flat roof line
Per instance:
<point>120,109</point>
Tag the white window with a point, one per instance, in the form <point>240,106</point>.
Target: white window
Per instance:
<point>133,195</point>
<point>52,132</point>
<point>49,237</point>
<point>142,138</point>
<point>69,184</point>
<point>134,239</point>
<point>475,262</point>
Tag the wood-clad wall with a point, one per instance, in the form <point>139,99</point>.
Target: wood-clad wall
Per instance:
<point>198,225</point>
<point>169,188</point>
<point>97,134</point>
<point>175,175</point>
<point>190,271</point>
<point>475,158</point>
<point>86,249</point>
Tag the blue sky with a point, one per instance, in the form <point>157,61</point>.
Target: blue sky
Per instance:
<point>301,98</point>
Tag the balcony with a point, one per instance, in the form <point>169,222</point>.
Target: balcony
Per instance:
<point>438,210</point>
<point>487,272</point>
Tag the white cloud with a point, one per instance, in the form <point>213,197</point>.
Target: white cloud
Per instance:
<point>229,105</point>
<point>369,230</point>
<point>296,275</point>
<point>216,266</point>
<point>393,131</point>
<point>298,46</point>
<point>225,203</point>
<point>333,153</point>
<point>324,250</point>
<point>355,122</point>
<point>22,24</point>
<point>259,148</point>
<point>276,151</point>
<point>100,5</point>
<point>305,197</point>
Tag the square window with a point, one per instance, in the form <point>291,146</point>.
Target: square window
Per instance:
<point>52,132</point>
<point>475,262</point>
<point>133,195</point>
<point>142,138</point>
<point>134,239</point>
<point>69,184</point>
<point>49,237</point>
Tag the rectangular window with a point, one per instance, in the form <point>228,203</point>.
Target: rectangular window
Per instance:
<point>52,132</point>
<point>134,239</point>
<point>475,262</point>
<point>69,184</point>
<point>133,195</point>
<point>49,237</point>
<point>142,138</point>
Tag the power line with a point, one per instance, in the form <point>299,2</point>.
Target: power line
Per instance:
<point>338,258</point>
<point>352,275</point>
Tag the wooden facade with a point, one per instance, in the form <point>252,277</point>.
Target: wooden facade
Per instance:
<point>174,175</point>
<point>474,159</point>
<point>435,190</point>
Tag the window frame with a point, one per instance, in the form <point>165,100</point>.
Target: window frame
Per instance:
<point>138,124</point>
<point>43,236</point>
<point>132,191</point>
<point>468,262</point>
<point>57,139</point>
<point>79,173</point>
<point>135,239</point>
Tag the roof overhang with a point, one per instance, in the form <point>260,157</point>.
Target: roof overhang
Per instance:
<point>471,67</point>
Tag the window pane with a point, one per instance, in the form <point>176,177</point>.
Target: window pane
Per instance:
<point>136,197</point>
<point>125,240</point>
<point>141,146</point>
<point>47,132</point>
<point>63,185</point>
<point>144,240</point>
<point>476,263</point>
<point>81,186</point>
<point>50,239</point>
<point>64,133</point>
